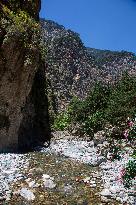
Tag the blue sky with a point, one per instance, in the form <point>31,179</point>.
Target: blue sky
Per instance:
<point>103,24</point>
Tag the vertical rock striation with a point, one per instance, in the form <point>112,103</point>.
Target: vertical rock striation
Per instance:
<point>23,102</point>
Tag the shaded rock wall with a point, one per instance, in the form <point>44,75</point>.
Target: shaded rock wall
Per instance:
<point>23,102</point>
<point>34,128</point>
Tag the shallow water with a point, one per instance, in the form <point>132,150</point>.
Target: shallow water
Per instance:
<point>69,178</point>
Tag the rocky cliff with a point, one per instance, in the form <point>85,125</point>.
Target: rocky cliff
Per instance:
<point>113,63</point>
<point>23,103</point>
<point>72,69</point>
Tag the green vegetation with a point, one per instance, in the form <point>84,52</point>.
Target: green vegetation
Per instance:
<point>129,173</point>
<point>116,151</point>
<point>29,6</point>
<point>20,19</point>
<point>20,24</point>
<point>132,133</point>
<point>62,121</point>
<point>134,154</point>
<point>121,102</point>
<point>104,105</point>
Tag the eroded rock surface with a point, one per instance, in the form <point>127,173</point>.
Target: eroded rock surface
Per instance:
<point>23,103</point>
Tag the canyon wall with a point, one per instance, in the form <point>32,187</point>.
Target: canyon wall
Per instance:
<point>23,102</point>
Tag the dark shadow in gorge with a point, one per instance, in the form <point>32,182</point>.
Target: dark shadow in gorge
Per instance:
<point>35,128</point>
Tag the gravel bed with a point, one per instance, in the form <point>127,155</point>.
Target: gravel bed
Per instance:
<point>82,151</point>
<point>11,166</point>
<point>85,152</point>
<point>112,180</point>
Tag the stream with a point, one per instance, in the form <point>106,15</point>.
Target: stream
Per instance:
<point>68,172</point>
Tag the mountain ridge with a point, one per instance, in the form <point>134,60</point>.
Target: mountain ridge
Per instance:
<point>73,69</point>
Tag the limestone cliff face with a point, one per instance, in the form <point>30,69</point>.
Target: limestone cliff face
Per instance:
<point>70,70</point>
<point>73,69</point>
<point>23,103</point>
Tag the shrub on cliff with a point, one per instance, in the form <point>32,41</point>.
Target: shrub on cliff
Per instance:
<point>104,104</point>
<point>114,105</point>
<point>121,102</point>
<point>29,6</point>
<point>18,23</point>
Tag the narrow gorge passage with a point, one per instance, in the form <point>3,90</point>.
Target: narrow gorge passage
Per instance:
<point>67,108</point>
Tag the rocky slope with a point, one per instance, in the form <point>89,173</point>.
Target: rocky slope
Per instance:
<point>72,69</point>
<point>23,115</point>
<point>113,63</point>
